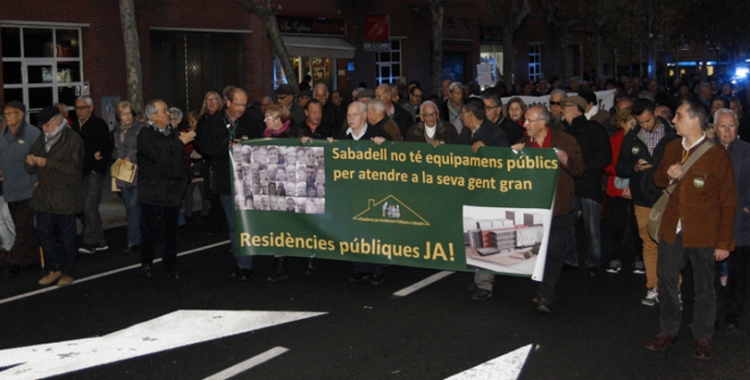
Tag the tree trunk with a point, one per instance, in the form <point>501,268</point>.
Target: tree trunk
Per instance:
<point>508,31</point>
<point>134,71</point>
<point>599,54</point>
<point>437,45</point>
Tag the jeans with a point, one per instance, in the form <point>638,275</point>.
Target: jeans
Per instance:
<point>57,258</point>
<point>188,202</point>
<point>244,262</point>
<point>7,227</point>
<point>149,227</point>
<point>93,232</point>
<point>672,260</point>
<point>592,225</point>
<point>25,250</point>
<point>133,212</point>
<point>558,240</point>
<point>730,300</point>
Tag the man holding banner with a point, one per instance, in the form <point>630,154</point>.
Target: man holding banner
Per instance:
<point>540,135</point>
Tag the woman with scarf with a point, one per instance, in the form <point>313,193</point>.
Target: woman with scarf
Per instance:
<point>126,147</point>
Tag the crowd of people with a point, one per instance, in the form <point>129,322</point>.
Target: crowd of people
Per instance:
<point>688,141</point>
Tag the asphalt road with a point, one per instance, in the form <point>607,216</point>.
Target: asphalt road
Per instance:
<point>597,330</point>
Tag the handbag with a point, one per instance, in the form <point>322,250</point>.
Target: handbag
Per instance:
<point>657,210</point>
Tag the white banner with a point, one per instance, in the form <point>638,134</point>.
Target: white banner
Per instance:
<point>606,99</point>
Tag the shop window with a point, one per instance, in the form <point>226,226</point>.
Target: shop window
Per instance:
<point>388,64</point>
<point>41,65</point>
<point>535,62</point>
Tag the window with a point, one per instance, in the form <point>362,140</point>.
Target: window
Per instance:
<point>41,65</point>
<point>388,65</point>
<point>535,62</point>
<point>493,56</point>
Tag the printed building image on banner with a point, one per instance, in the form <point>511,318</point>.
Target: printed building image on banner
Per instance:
<point>398,203</point>
<point>279,178</point>
<point>506,240</point>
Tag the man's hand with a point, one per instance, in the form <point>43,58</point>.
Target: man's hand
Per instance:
<point>562,156</point>
<point>378,140</point>
<point>305,139</point>
<point>674,171</point>
<point>721,254</point>
<point>127,159</point>
<point>642,165</point>
<point>36,161</point>
<point>517,147</point>
<point>187,137</point>
<point>98,156</point>
<point>475,147</point>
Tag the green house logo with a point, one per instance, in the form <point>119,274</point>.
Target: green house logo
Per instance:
<point>390,210</point>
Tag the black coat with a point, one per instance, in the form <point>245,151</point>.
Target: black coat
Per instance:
<point>402,117</point>
<point>333,115</point>
<point>642,187</point>
<point>596,152</point>
<point>514,131</point>
<point>96,138</point>
<point>324,130</point>
<point>488,133</point>
<point>162,168</point>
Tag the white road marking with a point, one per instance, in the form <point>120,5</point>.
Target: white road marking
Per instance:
<point>419,285</point>
<point>100,275</point>
<point>506,367</point>
<point>177,329</point>
<point>247,364</point>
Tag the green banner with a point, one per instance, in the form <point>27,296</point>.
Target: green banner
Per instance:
<point>399,203</point>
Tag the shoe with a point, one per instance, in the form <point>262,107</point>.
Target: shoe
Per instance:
<point>359,277</point>
<point>724,281</point>
<point>703,350</point>
<point>652,297</point>
<point>243,274</point>
<point>310,267</point>
<point>131,249</point>
<point>472,287</point>
<point>614,266</point>
<point>594,272</point>
<point>13,269</point>
<point>280,273</point>
<point>146,271</point>
<point>542,305</point>
<point>569,268</point>
<point>101,246</point>
<point>660,342</point>
<point>174,275</point>
<point>377,279</point>
<point>732,322</point>
<point>64,281</point>
<point>50,278</point>
<point>638,267</point>
<point>88,249</point>
<point>481,295</point>
<point>536,298</point>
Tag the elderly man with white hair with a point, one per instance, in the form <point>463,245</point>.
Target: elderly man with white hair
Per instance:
<point>378,119</point>
<point>432,129</point>
<point>451,109</point>
<point>395,111</point>
<point>56,158</point>
<point>331,113</point>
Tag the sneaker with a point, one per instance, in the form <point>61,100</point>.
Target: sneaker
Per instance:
<point>638,267</point>
<point>243,274</point>
<point>88,249</point>
<point>652,297</point>
<point>310,267</point>
<point>64,281</point>
<point>614,266</point>
<point>481,295</point>
<point>377,280</point>
<point>50,278</point>
<point>280,274</point>
<point>359,277</point>
<point>131,249</point>
<point>101,246</point>
<point>724,281</point>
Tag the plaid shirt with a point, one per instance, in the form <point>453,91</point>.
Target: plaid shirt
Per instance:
<point>652,138</point>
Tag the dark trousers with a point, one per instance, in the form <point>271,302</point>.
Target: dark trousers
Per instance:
<point>149,228</point>
<point>93,232</point>
<point>730,300</point>
<point>57,258</point>
<point>374,269</point>
<point>556,248</point>
<point>620,231</point>
<point>672,260</point>
<point>25,250</point>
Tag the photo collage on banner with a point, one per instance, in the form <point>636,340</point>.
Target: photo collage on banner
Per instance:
<point>280,178</point>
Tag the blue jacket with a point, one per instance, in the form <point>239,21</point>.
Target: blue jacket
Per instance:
<point>740,153</point>
<point>17,183</point>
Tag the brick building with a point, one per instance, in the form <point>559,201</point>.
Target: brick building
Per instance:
<point>54,50</point>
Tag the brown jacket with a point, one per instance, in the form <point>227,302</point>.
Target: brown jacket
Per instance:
<point>565,190</point>
<point>705,199</point>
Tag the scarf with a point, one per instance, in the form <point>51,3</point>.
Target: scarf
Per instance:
<point>123,131</point>
<point>271,133</point>
<point>51,138</point>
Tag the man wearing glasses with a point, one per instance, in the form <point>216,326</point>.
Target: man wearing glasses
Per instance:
<point>432,129</point>
<point>493,108</point>
<point>98,146</point>
<point>285,95</point>
<point>555,107</point>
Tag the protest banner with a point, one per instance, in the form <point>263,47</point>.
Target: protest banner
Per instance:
<point>402,203</point>
<point>606,99</point>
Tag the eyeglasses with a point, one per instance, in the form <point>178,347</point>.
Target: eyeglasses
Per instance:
<point>269,117</point>
<point>431,114</point>
<point>554,103</point>
<point>241,105</point>
<point>82,107</point>
<point>212,100</point>
<point>279,97</point>
<point>491,108</point>
<point>529,121</point>
<point>10,113</point>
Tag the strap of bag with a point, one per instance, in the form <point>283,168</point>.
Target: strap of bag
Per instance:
<point>689,162</point>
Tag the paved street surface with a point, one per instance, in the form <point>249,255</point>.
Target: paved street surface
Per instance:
<point>339,330</point>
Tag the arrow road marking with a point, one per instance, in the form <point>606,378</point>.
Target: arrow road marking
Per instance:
<point>506,367</point>
<point>247,364</point>
<point>177,329</point>
<point>419,285</point>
